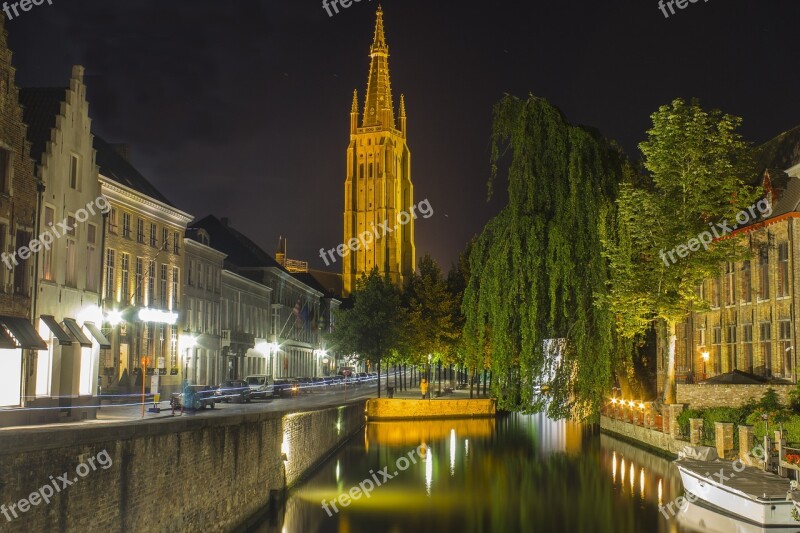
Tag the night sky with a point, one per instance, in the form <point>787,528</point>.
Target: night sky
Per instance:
<point>241,108</point>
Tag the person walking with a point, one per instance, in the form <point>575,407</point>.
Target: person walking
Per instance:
<point>423,386</point>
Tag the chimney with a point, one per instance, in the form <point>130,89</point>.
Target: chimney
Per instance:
<point>123,150</point>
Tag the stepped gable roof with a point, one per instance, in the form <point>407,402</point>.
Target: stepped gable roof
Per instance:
<point>40,107</point>
<point>116,167</point>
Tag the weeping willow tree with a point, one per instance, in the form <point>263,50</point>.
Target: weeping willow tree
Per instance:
<point>538,266</point>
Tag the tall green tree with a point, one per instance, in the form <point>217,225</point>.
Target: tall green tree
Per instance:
<point>372,328</point>
<point>696,166</point>
<point>537,268</point>
<point>430,312</point>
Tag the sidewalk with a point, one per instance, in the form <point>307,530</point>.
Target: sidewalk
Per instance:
<point>413,393</point>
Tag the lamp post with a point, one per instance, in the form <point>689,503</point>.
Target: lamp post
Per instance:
<point>705,360</point>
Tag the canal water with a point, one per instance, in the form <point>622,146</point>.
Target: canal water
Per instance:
<point>516,473</point>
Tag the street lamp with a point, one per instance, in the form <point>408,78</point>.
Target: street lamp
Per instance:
<point>705,360</point>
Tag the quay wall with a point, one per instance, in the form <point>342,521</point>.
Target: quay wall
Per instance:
<point>399,409</point>
<point>214,473</point>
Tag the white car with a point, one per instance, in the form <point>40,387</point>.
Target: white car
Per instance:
<point>261,386</point>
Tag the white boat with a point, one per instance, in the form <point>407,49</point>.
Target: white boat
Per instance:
<point>696,518</point>
<point>748,493</point>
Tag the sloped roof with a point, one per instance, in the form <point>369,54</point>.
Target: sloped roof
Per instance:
<point>782,151</point>
<point>117,168</point>
<point>736,377</point>
<point>242,252</point>
<point>330,281</point>
<point>40,106</point>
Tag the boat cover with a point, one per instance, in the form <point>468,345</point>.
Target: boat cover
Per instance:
<point>751,482</point>
<point>701,453</point>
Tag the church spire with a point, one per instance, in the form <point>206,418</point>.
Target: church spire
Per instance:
<point>378,109</point>
<point>354,114</point>
<point>403,115</point>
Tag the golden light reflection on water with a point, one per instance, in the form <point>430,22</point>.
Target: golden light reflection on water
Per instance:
<point>452,452</point>
<point>641,483</point>
<point>614,467</point>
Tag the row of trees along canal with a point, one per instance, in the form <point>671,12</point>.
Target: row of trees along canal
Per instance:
<point>561,294</point>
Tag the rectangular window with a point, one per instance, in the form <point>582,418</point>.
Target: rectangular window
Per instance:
<point>747,282</point>
<point>21,280</point>
<point>175,279</point>
<point>92,256</point>
<point>153,240</point>
<point>701,337</point>
<point>72,225</point>
<point>209,278</point>
<point>139,230</point>
<point>730,283</point>
<point>176,241</point>
<point>701,291</point>
<point>200,278</point>
<point>71,276</point>
<point>163,289</point>
<point>164,239</point>
<point>747,345</point>
<point>783,269</point>
<point>47,252</point>
<point>715,291</point>
<point>730,339</point>
<point>139,280</point>
<point>110,257</point>
<point>5,170</point>
<point>112,220</point>
<point>190,274</point>
<point>200,317</point>
<point>785,347</point>
<point>124,266</point>
<point>189,314</point>
<point>763,273</point>
<point>173,347</point>
<point>716,348</point>
<point>74,170</point>
<point>151,284</point>
<point>126,225</point>
<point>765,347</point>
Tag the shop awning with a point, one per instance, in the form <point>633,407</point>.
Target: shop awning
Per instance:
<point>56,329</point>
<point>23,332</point>
<point>98,335</point>
<point>77,332</point>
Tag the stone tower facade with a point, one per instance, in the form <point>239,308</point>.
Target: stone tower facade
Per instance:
<point>378,187</point>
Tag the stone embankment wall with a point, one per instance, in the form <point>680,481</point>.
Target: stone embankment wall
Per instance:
<point>650,437</point>
<point>398,409</point>
<point>705,396</point>
<point>177,474</point>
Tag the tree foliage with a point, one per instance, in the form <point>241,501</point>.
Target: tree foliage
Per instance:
<point>696,163</point>
<point>537,268</point>
<point>372,328</point>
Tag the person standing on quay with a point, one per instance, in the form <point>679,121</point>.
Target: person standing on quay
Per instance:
<point>423,386</point>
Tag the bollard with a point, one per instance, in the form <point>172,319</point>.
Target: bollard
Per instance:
<point>746,435</point>
<point>674,426</point>
<point>696,431</point>
<point>723,437</point>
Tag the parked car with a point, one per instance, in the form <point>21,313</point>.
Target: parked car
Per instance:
<point>235,390</point>
<point>319,383</point>
<point>362,377</point>
<point>195,397</point>
<point>305,385</point>
<point>261,386</point>
<point>286,387</point>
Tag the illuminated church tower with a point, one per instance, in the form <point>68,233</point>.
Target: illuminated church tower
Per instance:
<point>378,185</point>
